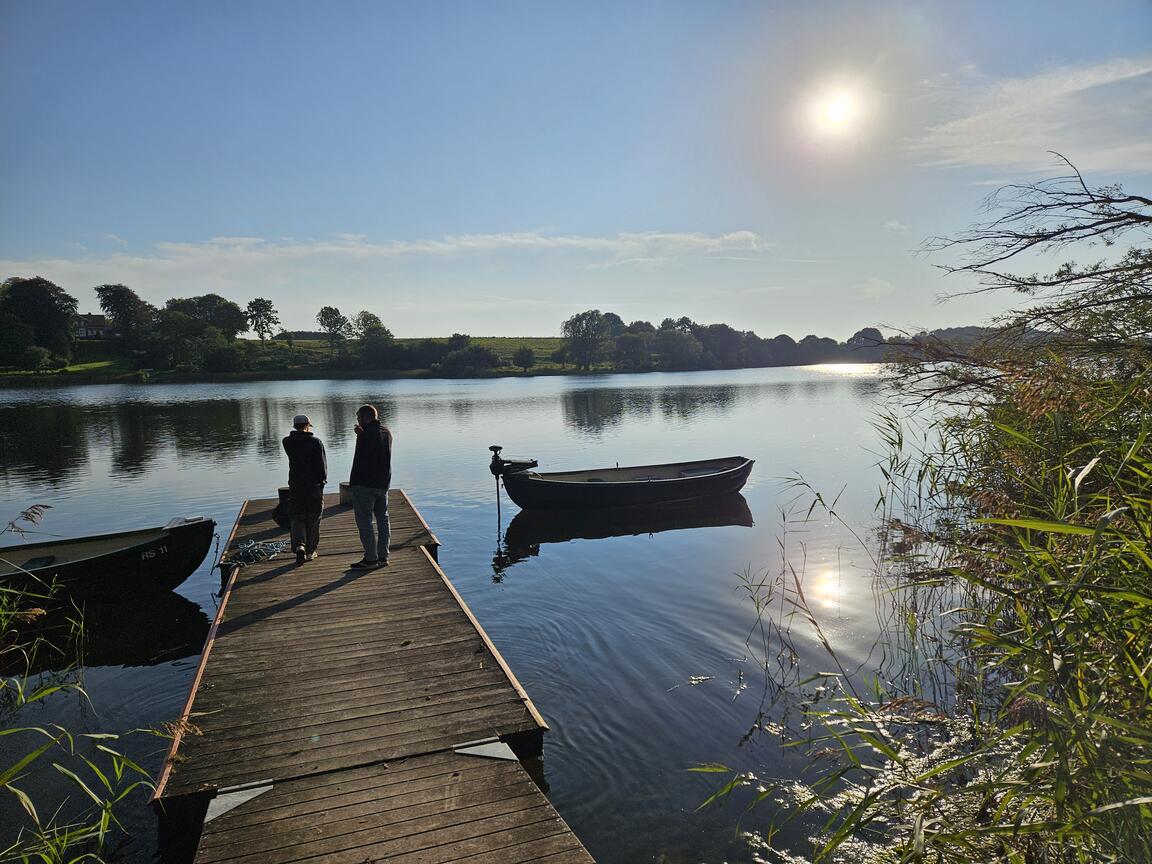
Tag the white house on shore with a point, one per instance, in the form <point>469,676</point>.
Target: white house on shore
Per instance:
<point>90,326</point>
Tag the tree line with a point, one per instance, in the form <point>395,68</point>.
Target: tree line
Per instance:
<point>593,337</point>
<point>200,334</point>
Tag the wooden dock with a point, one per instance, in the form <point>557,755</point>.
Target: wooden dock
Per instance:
<point>341,715</point>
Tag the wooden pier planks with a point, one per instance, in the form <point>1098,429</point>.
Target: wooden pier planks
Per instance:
<point>433,809</point>
<point>317,678</point>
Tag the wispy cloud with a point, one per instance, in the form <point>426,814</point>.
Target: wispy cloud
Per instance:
<point>895,226</point>
<point>244,265</point>
<point>625,247</point>
<point>1097,116</point>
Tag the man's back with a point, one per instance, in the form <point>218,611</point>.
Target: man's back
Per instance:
<point>307,461</point>
<point>372,462</point>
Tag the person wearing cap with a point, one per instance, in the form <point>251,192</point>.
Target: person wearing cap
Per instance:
<point>307,474</point>
<point>369,481</point>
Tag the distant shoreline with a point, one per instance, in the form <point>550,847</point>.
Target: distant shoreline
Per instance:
<point>53,380</point>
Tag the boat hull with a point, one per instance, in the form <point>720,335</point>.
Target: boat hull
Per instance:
<point>536,491</point>
<point>115,565</point>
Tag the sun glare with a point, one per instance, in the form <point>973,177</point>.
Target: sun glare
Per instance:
<point>835,113</point>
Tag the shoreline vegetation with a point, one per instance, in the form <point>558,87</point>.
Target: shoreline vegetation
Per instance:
<point>45,341</point>
<point>1010,716</point>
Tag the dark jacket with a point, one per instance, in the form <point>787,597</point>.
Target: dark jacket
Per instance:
<point>307,462</point>
<point>372,462</point>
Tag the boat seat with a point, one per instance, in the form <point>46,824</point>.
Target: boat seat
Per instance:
<point>697,472</point>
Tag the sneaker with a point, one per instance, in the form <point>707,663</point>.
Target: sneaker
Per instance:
<point>300,555</point>
<point>365,564</point>
<point>312,556</point>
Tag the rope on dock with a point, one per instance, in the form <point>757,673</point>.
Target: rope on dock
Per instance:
<point>254,551</point>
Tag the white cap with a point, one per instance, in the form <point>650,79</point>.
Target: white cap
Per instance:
<point>301,420</point>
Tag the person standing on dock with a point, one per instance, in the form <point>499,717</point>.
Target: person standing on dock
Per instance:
<point>371,476</point>
<point>307,474</point>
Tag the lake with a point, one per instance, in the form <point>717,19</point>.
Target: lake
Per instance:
<point>634,648</point>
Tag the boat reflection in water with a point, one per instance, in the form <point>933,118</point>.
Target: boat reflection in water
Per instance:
<point>529,529</point>
<point>152,629</point>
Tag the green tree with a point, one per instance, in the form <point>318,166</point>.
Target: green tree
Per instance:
<point>586,334</point>
<point>262,317</point>
<point>678,350</point>
<point>212,310</point>
<point>43,306</point>
<point>134,319</point>
<point>560,355</point>
<point>469,360</point>
<point>631,351</point>
<point>615,323</point>
<point>16,338</point>
<point>336,325</point>
<point>524,357</point>
<point>368,324</point>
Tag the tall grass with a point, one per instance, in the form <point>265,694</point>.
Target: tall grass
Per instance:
<point>1008,717</point>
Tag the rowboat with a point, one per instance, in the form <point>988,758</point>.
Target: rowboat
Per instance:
<point>111,565</point>
<point>638,485</point>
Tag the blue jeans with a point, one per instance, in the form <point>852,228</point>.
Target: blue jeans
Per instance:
<point>371,508</point>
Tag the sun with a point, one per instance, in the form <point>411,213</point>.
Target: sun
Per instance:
<point>835,112</point>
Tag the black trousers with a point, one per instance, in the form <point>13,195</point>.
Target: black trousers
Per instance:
<point>305,504</point>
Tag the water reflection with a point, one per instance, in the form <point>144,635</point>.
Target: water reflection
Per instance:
<point>529,529</point>
<point>595,409</point>
<point>42,444</point>
<point>151,630</point>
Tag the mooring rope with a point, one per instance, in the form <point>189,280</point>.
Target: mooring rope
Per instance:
<point>253,551</point>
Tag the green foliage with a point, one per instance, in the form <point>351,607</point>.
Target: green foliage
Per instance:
<point>133,318</point>
<point>337,326</point>
<point>16,338</point>
<point>262,317</point>
<point>586,333</point>
<point>36,357</point>
<point>43,306</point>
<point>211,310</point>
<point>468,360</point>
<point>677,349</point>
<point>524,357</point>
<point>1012,717</point>
<point>367,325</point>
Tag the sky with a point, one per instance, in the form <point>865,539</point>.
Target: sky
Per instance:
<point>493,168</point>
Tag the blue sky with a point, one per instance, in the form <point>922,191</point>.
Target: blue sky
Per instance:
<point>493,168</point>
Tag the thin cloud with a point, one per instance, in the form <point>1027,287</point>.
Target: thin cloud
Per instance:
<point>247,264</point>
<point>895,226</point>
<point>1095,115</point>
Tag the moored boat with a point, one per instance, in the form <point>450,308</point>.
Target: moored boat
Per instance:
<point>637,485</point>
<point>112,565</point>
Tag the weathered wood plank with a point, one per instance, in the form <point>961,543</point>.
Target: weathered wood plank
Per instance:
<point>441,808</point>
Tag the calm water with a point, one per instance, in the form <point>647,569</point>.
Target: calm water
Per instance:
<point>605,634</point>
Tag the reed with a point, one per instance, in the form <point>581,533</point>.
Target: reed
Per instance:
<point>1008,717</point>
